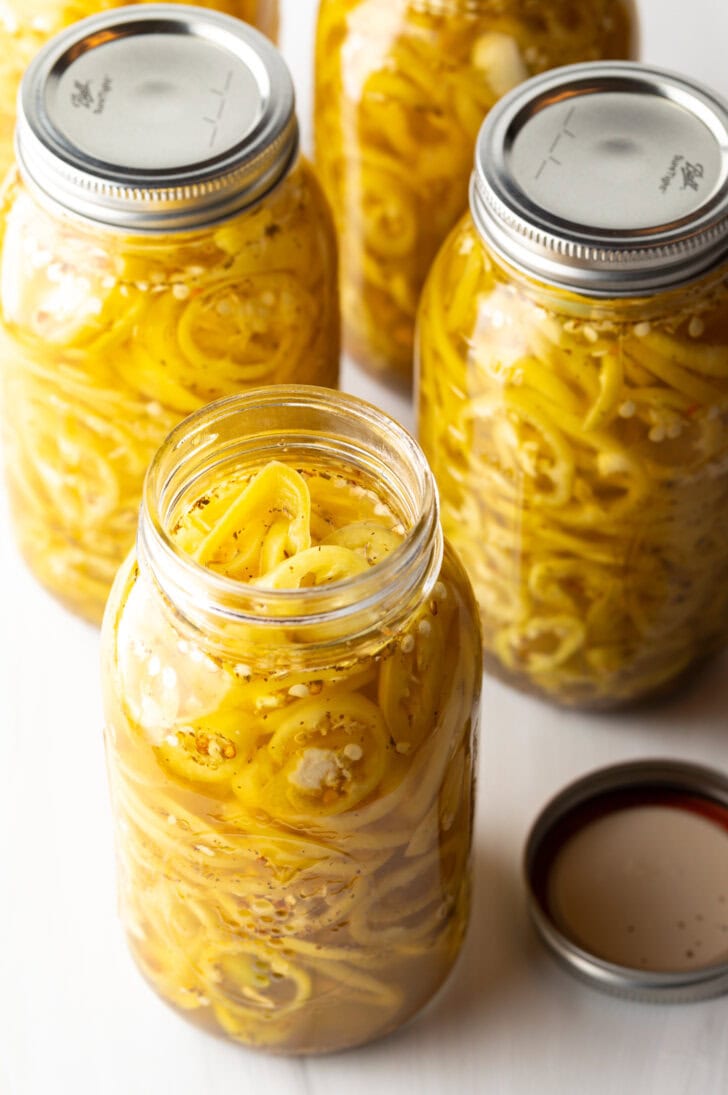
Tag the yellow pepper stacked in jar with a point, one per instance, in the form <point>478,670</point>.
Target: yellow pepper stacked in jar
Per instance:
<point>583,480</point>
<point>402,87</point>
<point>293,796</point>
<point>109,336</point>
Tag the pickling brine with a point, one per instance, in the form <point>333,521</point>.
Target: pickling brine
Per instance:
<point>402,87</point>
<point>578,427</point>
<point>110,335</point>
<point>25,25</point>
<point>292,670</point>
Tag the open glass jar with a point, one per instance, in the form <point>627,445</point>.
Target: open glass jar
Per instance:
<point>402,87</point>
<point>573,401</point>
<point>292,670</point>
<point>163,245</point>
<point>25,26</point>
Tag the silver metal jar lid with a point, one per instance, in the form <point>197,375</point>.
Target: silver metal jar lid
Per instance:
<point>156,118</point>
<point>609,178</point>
<point>627,873</point>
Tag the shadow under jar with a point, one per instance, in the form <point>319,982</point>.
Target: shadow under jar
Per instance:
<point>573,368</point>
<point>163,245</point>
<point>26,25</point>
<point>292,669</point>
<point>401,90</point>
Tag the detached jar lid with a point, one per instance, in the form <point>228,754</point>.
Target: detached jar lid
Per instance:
<point>607,178</point>
<point>156,117</point>
<point>627,871</point>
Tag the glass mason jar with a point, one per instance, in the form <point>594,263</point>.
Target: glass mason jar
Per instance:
<point>292,669</point>
<point>25,25</point>
<point>573,391</point>
<point>143,275</point>
<point>401,89</point>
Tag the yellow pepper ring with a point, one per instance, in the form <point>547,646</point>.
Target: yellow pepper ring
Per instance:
<point>315,566</point>
<point>251,978</point>
<point>199,755</point>
<point>277,492</point>
<point>372,541</point>
<point>246,330</point>
<point>329,754</point>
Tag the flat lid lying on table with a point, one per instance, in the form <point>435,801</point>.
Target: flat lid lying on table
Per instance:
<point>627,871</point>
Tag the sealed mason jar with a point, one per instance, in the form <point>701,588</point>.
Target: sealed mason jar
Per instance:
<point>402,87</point>
<point>162,246</point>
<point>25,25</point>
<point>292,667</point>
<point>573,399</point>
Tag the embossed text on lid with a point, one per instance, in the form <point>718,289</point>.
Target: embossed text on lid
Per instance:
<point>610,178</point>
<point>156,117</point>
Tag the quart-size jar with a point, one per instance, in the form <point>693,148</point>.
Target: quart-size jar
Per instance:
<point>573,400</point>
<point>163,246</point>
<point>402,87</point>
<point>25,25</point>
<point>292,668</point>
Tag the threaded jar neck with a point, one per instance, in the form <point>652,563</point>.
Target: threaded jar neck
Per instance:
<point>572,303</point>
<point>294,424</point>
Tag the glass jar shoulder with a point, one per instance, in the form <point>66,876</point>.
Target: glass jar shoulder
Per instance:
<point>489,322</point>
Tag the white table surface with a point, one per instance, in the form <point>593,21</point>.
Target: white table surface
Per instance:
<point>76,1018</point>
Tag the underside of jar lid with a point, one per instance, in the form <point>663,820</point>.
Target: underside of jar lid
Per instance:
<point>609,178</point>
<point>156,118</point>
<point>627,876</point>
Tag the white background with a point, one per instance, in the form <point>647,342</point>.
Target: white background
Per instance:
<point>75,1017</point>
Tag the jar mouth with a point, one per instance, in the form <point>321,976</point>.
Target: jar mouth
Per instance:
<point>274,423</point>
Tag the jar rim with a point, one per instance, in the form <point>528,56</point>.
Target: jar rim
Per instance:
<point>376,598</point>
